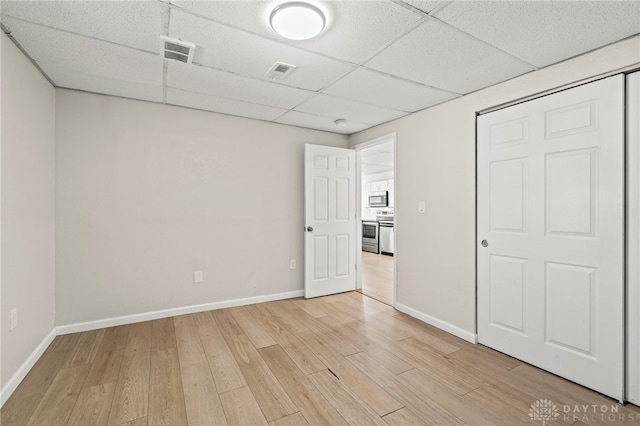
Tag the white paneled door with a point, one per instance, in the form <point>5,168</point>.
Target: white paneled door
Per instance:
<point>330,220</point>
<point>551,233</point>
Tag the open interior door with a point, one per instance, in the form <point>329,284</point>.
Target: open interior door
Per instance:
<point>330,220</point>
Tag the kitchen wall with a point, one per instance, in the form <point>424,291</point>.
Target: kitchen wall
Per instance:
<point>436,163</point>
<point>27,209</point>
<point>147,194</point>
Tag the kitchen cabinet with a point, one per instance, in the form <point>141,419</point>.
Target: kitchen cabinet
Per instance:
<point>378,186</point>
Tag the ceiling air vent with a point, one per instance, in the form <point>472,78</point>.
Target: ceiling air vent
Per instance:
<point>280,71</point>
<point>177,50</point>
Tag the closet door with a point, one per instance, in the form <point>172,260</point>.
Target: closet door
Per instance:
<point>633,237</point>
<point>551,233</point>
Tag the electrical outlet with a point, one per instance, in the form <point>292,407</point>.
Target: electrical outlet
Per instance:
<point>13,322</point>
<point>293,264</point>
<point>198,277</point>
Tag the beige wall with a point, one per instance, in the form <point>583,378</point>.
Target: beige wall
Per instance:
<point>436,163</point>
<point>28,206</point>
<point>147,194</point>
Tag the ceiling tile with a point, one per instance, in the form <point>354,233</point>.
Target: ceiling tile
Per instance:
<point>447,59</point>
<point>311,121</point>
<point>217,47</point>
<point>87,55</point>
<point>426,6</point>
<point>354,31</point>
<point>195,78</point>
<point>222,105</point>
<point>389,91</point>
<point>369,169</point>
<point>71,79</point>
<point>545,32</point>
<point>378,158</point>
<point>132,23</point>
<point>333,107</point>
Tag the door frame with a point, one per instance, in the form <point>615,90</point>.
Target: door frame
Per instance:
<point>358,255</point>
<point>632,374</point>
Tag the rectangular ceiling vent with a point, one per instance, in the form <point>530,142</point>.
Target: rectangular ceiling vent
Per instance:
<point>177,50</point>
<point>280,71</point>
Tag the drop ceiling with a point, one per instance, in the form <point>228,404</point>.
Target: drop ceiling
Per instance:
<point>377,159</point>
<point>374,62</point>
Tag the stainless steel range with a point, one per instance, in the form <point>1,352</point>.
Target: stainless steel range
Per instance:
<point>370,230</point>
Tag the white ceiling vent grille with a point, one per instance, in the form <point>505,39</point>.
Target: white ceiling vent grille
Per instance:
<point>177,50</point>
<point>280,71</point>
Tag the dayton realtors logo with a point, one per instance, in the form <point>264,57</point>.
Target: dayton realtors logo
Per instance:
<point>545,410</point>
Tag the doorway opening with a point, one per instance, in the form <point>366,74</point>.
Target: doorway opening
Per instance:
<point>376,180</point>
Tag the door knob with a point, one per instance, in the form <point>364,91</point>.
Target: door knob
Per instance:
<point>484,243</point>
<point>309,228</point>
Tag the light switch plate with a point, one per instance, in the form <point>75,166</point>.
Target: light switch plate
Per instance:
<point>198,277</point>
<point>421,206</point>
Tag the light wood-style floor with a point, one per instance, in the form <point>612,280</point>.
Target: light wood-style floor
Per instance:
<point>377,277</point>
<point>341,359</point>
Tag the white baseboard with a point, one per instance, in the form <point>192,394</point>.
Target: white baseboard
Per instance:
<point>442,325</point>
<point>26,366</point>
<point>165,313</point>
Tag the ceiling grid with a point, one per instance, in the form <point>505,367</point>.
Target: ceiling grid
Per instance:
<point>375,61</point>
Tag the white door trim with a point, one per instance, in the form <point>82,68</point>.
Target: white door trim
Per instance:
<point>368,144</point>
<point>632,373</point>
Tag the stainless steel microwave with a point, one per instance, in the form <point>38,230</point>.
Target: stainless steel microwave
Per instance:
<point>380,200</point>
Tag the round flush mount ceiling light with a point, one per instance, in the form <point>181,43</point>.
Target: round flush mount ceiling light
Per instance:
<point>297,20</point>
<point>341,123</point>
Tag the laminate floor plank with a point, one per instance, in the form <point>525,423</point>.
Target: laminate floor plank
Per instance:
<point>377,276</point>
<point>226,323</point>
<point>359,383</point>
<point>311,307</point>
<point>428,410</point>
<point>488,402</point>
<point>306,397</point>
<point>166,396</point>
<point>19,407</point>
<point>295,419</point>
<point>224,368</point>
<point>329,360</point>
<point>108,359</point>
<point>450,401</point>
<point>201,397</point>
<point>352,408</point>
<point>437,367</point>
<point>258,310</point>
<point>93,405</point>
<point>87,347</point>
<point>190,349</point>
<point>142,421</point>
<point>286,318</point>
<point>267,390</point>
<point>252,328</point>
<point>241,408</point>
<point>403,417</point>
<point>329,333</point>
<point>303,357</point>
<point>56,405</point>
<point>131,397</point>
